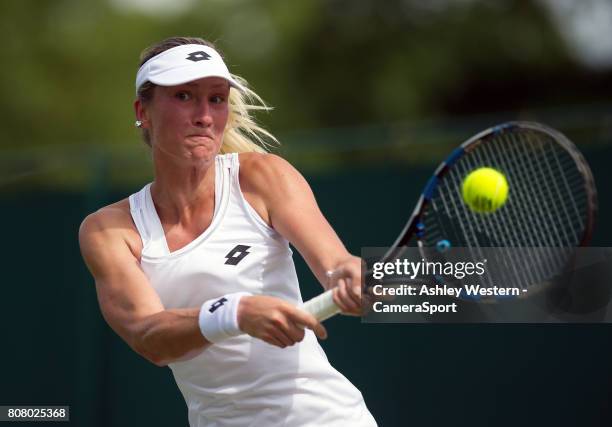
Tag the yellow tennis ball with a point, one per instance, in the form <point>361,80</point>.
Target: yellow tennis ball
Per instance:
<point>485,190</point>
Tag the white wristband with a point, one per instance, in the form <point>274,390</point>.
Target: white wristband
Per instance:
<point>219,317</point>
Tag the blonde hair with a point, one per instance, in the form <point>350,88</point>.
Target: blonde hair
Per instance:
<point>242,133</point>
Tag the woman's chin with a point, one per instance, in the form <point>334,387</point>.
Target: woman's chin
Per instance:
<point>202,153</point>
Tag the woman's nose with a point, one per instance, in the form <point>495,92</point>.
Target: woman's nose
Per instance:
<point>203,116</point>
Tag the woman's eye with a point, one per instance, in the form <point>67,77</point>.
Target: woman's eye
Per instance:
<point>217,99</point>
<point>183,96</point>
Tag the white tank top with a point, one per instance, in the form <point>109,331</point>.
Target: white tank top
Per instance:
<point>243,381</point>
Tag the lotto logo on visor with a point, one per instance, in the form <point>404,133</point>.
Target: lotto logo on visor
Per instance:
<point>183,64</point>
<point>198,56</point>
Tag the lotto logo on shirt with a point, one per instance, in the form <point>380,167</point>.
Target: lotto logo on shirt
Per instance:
<point>237,254</point>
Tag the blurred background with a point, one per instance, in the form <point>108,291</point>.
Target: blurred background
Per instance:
<point>368,97</point>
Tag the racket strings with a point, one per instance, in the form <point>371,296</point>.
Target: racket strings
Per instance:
<point>571,185</point>
<point>537,227</point>
<point>559,198</point>
<point>552,183</point>
<point>575,218</point>
<point>466,228</point>
<point>537,198</point>
<point>514,238</point>
<point>508,235</point>
<point>531,208</point>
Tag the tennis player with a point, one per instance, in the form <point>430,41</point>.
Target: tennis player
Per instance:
<point>195,272</point>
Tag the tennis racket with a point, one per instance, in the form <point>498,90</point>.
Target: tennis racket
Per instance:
<point>552,203</point>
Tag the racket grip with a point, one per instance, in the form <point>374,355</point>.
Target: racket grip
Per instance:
<point>322,306</point>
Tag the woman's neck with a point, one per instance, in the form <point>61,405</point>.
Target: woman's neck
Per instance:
<point>180,192</point>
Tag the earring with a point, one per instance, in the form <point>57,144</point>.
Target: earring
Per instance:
<point>138,124</point>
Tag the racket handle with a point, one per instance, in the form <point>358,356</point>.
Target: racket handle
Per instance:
<point>322,306</point>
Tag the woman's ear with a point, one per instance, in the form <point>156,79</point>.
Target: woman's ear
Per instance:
<point>141,114</point>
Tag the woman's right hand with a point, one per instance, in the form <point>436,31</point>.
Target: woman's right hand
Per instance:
<point>275,321</point>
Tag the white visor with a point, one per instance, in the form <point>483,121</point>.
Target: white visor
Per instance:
<point>184,64</point>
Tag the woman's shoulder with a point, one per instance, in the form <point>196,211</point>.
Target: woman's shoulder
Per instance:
<point>263,178</point>
<point>255,158</point>
<point>261,168</point>
<point>113,221</point>
<point>111,214</point>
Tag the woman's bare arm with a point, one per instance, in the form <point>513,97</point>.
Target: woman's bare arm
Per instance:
<point>127,300</point>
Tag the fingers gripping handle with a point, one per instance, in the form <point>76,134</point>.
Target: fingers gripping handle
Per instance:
<point>322,307</point>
